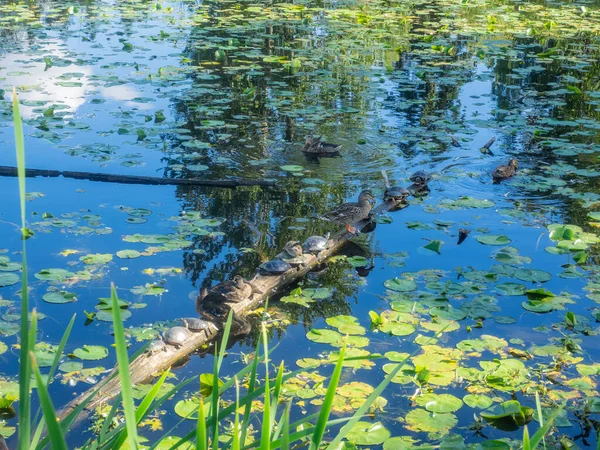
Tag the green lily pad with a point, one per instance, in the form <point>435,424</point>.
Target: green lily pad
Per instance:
<point>367,433</point>
<point>91,352</point>
<point>323,336</point>
<point>59,297</point>
<point>346,324</point>
<point>436,425</point>
<point>97,258</point>
<point>439,403</point>
<point>292,168</point>
<point>533,275</point>
<point>511,289</point>
<point>493,239</point>
<point>478,401</point>
<point>434,246</point>
<point>9,279</point>
<point>400,285</point>
<point>128,254</point>
<point>54,275</point>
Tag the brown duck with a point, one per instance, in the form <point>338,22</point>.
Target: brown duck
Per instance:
<point>505,172</point>
<point>315,146</point>
<point>352,212</point>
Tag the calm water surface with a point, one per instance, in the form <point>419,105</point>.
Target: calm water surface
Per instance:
<point>229,89</point>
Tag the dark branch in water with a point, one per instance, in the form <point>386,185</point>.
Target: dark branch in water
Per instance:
<point>8,171</point>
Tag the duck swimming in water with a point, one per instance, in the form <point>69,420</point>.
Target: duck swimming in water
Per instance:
<point>315,146</point>
<point>505,172</point>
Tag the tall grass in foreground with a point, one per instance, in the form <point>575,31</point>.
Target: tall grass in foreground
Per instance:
<point>277,431</point>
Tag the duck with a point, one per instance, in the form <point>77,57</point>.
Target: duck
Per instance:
<point>235,291</point>
<point>505,172</point>
<point>352,212</point>
<point>315,146</point>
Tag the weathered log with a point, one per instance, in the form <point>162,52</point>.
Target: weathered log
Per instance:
<point>8,171</point>
<point>146,366</point>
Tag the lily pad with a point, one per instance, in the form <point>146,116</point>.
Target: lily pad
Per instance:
<point>400,285</point>
<point>367,433</point>
<point>493,239</point>
<point>91,352</point>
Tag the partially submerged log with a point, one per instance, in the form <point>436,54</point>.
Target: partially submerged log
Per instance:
<point>8,171</point>
<point>147,365</point>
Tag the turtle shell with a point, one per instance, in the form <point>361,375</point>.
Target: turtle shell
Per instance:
<point>195,324</point>
<point>176,336</point>
<point>274,267</point>
<point>420,177</point>
<point>315,244</point>
<point>396,192</point>
<point>156,346</point>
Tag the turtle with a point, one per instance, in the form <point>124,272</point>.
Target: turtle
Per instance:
<point>274,267</point>
<point>352,212</point>
<point>315,146</point>
<point>397,193</point>
<point>176,336</point>
<point>505,172</point>
<point>292,254</point>
<point>156,346</point>
<point>195,324</point>
<point>420,178</point>
<point>316,244</point>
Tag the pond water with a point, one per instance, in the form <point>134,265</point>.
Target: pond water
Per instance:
<point>223,89</point>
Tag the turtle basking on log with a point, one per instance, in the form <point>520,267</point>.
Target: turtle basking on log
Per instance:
<point>176,336</point>
<point>316,244</point>
<point>292,254</point>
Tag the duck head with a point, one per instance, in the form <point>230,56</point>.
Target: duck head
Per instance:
<point>366,196</point>
<point>514,164</point>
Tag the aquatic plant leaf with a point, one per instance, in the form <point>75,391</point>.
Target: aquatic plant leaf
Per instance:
<point>91,352</point>
<point>439,403</point>
<point>97,258</point>
<point>9,279</point>
<point>128,254</point>
<point>367,433</point>
<point>436,425</point>
<point>511,289</point>
<point>59,297</point>
<point>533,275</point>
<point>434,246</point>
<point>478,401</point>
<point>323,336</point>
<point>400,285</point>
<point>492,239</point>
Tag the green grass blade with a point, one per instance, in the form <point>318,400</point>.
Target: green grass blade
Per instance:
<point>265,438</point>
<point>541,432</point>
<point>328,401</point>
<point>142,409</point>
<point>526,442</point>
<point>275,401</point>
<point>201,441</point>
<point>55,363</point>
<point>251,386</point>
<point>215,399</point>
<point>123,363</point>
<point>55,433</point>
<point>283,427</point>
<point>224,340</point>
<point>26,347</point>
<point>102,437</point>
<point>236,422</point>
